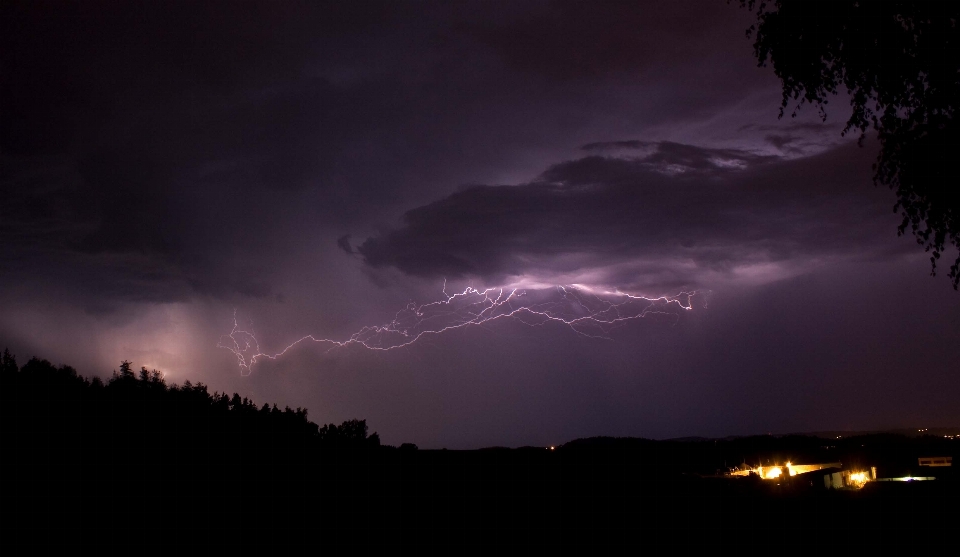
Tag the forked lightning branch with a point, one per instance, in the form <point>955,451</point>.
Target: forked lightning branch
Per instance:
<point>584,310</point>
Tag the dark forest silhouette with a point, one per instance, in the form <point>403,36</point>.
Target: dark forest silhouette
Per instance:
<point>139,410</point>
<point>133,461</point>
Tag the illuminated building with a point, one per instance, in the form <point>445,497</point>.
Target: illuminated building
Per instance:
<point>839,479</point>
<point>936,461</point>
<point>833,475</point>
<point>788,469</point>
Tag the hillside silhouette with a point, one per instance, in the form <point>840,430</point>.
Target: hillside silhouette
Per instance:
<point>53,412</point>
<point>134,462</point>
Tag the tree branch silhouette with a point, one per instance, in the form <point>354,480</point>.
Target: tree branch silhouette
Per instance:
<point>899,62</point>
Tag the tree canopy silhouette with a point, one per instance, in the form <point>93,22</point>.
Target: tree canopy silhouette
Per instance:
<point>139,415</point>
<point>899,62</point>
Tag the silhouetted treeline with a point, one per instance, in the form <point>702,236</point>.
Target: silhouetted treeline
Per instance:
<point>133,462</point>
<point>49,411</point>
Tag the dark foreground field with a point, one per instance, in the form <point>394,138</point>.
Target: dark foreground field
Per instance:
<point>139,465</point>
<point>564,499</point>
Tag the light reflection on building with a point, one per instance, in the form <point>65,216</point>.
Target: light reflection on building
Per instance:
<point>834,476</point>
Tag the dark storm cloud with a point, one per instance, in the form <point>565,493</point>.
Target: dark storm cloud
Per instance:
<point>343,242</point>
<point>661,156</point>
<point>577,39</point>
<point>624,144</point>
<point>679,215</point>
<point>799,138</point>
<point>170,136</point>
<point>163,164</point>
<point>189,136</point>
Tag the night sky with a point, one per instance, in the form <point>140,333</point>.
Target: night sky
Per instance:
<point>318,166</point>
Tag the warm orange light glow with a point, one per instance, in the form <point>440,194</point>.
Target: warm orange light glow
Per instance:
<point>774,472</point>
<point>858,478</point>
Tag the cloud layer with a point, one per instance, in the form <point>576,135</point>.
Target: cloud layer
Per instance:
<point>165,164</point>
<point>669,216</point>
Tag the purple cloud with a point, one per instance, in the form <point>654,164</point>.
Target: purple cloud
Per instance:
<point>673,216</point>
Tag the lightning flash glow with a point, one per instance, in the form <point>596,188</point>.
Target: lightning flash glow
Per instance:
<point>583,310</point>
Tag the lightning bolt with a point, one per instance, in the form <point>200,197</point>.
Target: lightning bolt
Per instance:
<point>584,310</point>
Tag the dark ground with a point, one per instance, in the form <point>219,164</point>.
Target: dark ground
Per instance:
<point>563,499</point>
<point>139,465</point>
